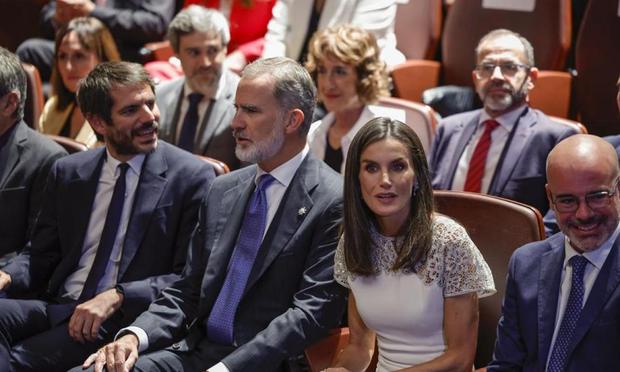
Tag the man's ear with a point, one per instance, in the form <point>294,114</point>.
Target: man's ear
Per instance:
<point>10,104</point>
<point>549,197</point>
<point>533,75</point>
<point>97,123</point>
<point>294,120</point>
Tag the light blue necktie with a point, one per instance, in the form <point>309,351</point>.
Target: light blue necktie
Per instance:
<point>221,319</point>
<point>559,354</point>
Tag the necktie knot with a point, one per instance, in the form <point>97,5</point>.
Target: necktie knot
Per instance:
<point>490,125</point>
<point>123,167</point>
<point>264,181</point>
<point>194,98</point>
<point>578,263</point>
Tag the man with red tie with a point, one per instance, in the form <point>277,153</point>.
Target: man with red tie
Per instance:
<point>502,148</point>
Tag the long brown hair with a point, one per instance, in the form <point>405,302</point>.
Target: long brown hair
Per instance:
<point>94,37</point>
<point>359,219</point>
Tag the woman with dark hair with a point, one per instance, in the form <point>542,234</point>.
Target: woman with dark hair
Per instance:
<point>414,276</point>
<point>81,44</point>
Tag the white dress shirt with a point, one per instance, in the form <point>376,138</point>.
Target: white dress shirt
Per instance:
<point>107,180</point>
<point>499,136</point>
<point>283,175</point>
<point>596,259</point>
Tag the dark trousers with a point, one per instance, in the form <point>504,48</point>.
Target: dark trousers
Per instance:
<point>40,53</point>
<point>29,343</point>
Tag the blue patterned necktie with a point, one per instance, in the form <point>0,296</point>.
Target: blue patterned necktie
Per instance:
<point>108,236</point>
<point>222,316</point>
<point>559,354</point>
<point>190,123</point>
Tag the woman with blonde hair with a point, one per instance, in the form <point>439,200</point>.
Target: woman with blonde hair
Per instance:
<point>81,44</point>
<point>344,63</point>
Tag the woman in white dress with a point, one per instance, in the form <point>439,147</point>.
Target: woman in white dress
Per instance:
<point>350,78</point>
<point>414,276</point>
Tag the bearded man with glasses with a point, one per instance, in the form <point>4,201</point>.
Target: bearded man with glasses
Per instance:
<point>560,311</point>
<point>500,149</point>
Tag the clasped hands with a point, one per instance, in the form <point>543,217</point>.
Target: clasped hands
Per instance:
<point>66,10</point>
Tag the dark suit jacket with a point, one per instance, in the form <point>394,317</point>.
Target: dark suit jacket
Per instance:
<point>214,134</point>
<point>170,188</point>
<point>291,298</point>
<point>132,22</point>
<point>26,160</point>
<point>521,175</point>
<point>528,313</point>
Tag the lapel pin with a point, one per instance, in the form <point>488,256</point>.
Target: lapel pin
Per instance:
<point>302,211</point>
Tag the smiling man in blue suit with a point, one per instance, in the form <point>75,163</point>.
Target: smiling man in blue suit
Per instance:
<point>560,311</point>
<point>112,233</point>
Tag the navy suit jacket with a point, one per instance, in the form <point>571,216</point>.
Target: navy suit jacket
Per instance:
<point>529,310</point>
<point>214,135</point>
<point>171,186</point>
<point>291,298</point>
<point>25,162</point>
<point>521,174</point>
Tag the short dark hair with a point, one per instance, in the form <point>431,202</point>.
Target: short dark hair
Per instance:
<point>13,79</point>
<point>93,93</point>
<point>527,46</point>
<point>359,219</point>
<point>95,37</point>
<point>293,88</point>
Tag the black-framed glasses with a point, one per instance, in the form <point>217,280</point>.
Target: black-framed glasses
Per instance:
<point>508,69</point>
<point>594,200</point>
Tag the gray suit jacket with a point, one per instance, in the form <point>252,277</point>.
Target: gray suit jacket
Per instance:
<point>291,298</point>
<point>26,160</point>
<point>214,135</point>
<point>520,174</point>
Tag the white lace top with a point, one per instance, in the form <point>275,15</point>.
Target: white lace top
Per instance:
<point>404,308</point>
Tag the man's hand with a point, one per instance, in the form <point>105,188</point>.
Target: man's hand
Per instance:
<point>66,10</point>
<point>5,280</point>
<point>88,316</point>
<point>118,356</point>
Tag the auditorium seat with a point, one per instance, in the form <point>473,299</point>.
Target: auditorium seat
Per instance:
<point>418,28</point>
<point>34,96</point>
<point>421,118</point>
<point>597,59</point>
<point>571,123</point>
<point>72,146</point>
<point>497,226</point>
<point>219,166</point>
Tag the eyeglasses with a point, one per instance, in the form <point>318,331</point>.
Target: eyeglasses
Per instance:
<point>594,200</point>
<point>508,69</point>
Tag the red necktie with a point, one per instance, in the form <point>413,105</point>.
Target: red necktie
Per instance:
<point>479,158</point>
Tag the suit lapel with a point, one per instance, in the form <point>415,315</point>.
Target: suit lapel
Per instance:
<point>231,211</point>
<point>514,151</point>
<point>467,131</point>
<point>548,289</point>
<point>11,158</point>
<point>173,103</point>
<point>210,121</point>
<point>604,285</point>
<point>288,218</point>
<point>150,188</point>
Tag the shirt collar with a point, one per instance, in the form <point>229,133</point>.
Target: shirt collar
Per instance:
<point>135,163</point>
<point>507,120</point>
<point>215,95</point>
<point>596,257</point>
<point>285,172</point>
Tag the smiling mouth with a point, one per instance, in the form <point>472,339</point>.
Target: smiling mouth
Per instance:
<point>146,130</point>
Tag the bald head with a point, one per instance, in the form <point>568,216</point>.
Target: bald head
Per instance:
<point>583,153</point>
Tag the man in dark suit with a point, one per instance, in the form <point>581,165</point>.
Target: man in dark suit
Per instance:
<point>501,149</point>
<point>113,230</point>
<point>25,159</point>
<point>260,286</point>
<point>196,110</point>
<point>132,23</point>
<point>560,311</point>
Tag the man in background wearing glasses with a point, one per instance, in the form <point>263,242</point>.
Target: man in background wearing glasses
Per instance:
<point>500,149</point>
<point>560,311</point>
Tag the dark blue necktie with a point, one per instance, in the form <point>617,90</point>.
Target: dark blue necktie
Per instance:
<point>222,316</point>
<point>559,354</point>
<point>108,237</point>
<point>190,123</point>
